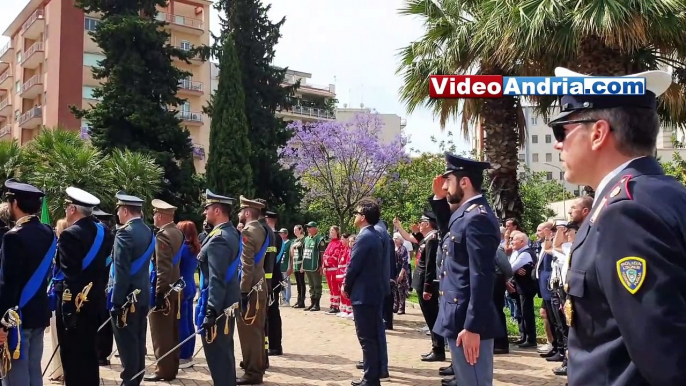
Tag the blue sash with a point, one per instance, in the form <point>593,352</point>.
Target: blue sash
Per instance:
<point>201,308</point>
<point>29,292</point>
<point>87,260</point>
<point>280,255</point>
<point>153,272</point>
<point>136,266</point>
<point>259,255</point>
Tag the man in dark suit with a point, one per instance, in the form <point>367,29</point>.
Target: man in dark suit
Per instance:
<point>79,283</point>
<point>626,282</point>
<point>467,317</point>
<point>389,271</point>
<point>134,245</point>
<point>364,286</point>
<point>27,251</point>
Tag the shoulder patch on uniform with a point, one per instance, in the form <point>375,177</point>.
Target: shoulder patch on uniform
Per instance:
<point>631,271</point>
<point>471,207</point>
<point>482,209</point>
<point>245,239</point>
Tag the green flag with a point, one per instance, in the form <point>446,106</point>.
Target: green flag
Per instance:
<point>44,213</point>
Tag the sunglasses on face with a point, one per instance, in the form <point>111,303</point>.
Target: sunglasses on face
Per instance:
<point>559,127</point>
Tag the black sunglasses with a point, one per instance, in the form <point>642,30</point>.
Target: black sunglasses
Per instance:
<point>559,127</point>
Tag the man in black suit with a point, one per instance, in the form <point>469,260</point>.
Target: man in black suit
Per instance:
<point>79,285</point>
<point>364,286</point>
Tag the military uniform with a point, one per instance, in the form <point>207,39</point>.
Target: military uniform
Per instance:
<point>627,272</point>
<point>134,244</point>
<point>253,298</point>
<point>164,319</point>
<point>79,284</point>
<point>27,252</point>
<point>313,250</point>
<point>219,264</point>
<point>468,278</point>
<point>105,337</point>
<point>423,282</point>
<point>274,278</point>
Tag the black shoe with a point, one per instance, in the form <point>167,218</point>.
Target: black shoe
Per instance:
<point>446,371</point>
<point>562,370</point>
<point>156,378</point>
<point>426,354</point>
<point>103,362</point>
<point>362,382</point>
<point>527,345</point>
<point>316,305</point>
<point>275,352</point>
<point>299,305</point>
<point>434,357</point>
<point>449,381</point>
<point>333,311</point>
<point>548,354</point>
<point>311,305</point>
<point>520,341</point>
<point>500,351</point>
<point>556,358</point>
<point>385,377</point>
<point>242,365</point>
<point>359,365</point>
<point>388,327</point>
<point>244,381</point>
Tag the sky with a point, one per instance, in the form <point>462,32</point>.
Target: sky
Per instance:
<point>353,44</point>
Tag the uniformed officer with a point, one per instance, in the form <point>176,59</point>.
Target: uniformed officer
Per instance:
<point>79,285</point>
<point>253,293</point>
<point>164,320</point>
<point>270,278</point>
<point>27,251</point>
<point>423,283</point>
<point>627,266</point>
<point>134,245</point>
<point>219,263</point>
<point>105,337</point>
<point>467,317</point>
<point>313,250</point>
<point>274,324</point>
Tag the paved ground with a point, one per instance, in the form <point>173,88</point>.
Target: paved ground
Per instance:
<point>322,350</point>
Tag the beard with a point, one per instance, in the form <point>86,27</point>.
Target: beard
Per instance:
<point>455,198</point>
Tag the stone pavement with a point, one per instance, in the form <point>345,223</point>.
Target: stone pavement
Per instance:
<point>320,349</point>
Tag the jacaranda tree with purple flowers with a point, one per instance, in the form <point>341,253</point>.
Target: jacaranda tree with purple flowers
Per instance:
<point>340,163</point>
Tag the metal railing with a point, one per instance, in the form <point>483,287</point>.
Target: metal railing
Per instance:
<point>179,20</point>
<point>5,75</point>
<point>34,80</point>
<point>39,14</point>
<point>187,84</point>
<point>190,116</point>
<point>5,130</point>
<point>36,47</point>
<point>5,102</point>
<point>316,86</point>
<point>6,48</point>
<point>310,112</point>
<point>35,112</point>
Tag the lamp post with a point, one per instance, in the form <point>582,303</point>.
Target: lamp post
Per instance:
<point>564,202</point>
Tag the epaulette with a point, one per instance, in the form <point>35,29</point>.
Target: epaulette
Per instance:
<point>471,207</point>
<point>431,236</point>
<point>215,232</point>
<point>620,192</point>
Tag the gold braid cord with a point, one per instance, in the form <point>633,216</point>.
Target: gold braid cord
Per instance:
<point>5,360</point>
<point>250,320</point>
<point>211,334</point>
<point>82,297</point>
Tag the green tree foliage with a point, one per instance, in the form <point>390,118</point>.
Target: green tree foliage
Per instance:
<point>137,108</point>
<point>57,159</point>
<point>228,170</point>
<point>10,159</point>
<point>536,193</point>
<point>676,167</point>
<point>256,37</point>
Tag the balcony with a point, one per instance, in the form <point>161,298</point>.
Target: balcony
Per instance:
<point>6,130</point>
<point>6,53</point>
<point>198,151</point>
<point>4,66</point>
<point>6,80</point>
<point>190,118</point>
<point>32,87</point>
<point>314,113</point>
<point>182,23</point>
<point>6,107</point>
<point>194,60</point>
<point>32,118</point>
<point>189,87</point>
<point>34,56</point>
<point>34,26</point>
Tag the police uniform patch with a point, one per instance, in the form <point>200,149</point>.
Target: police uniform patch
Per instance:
<point>245,239</point>
<point>631,271</point>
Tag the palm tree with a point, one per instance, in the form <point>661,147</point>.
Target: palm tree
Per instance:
<point>446,48</point>
<point>10,159</point>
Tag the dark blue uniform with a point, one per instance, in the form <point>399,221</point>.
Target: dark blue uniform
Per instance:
<point>627,283</point>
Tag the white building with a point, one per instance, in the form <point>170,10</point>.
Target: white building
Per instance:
<point>393,124</point>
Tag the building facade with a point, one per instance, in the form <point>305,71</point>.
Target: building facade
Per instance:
<point>46,67</point>
<point>393,124</point>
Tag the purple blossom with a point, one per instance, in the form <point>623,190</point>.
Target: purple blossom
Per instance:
<point>342,162</point>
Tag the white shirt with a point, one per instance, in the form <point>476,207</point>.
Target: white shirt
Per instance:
<point>560,264</point>
<point>610,176</point>
<point>519,259</point>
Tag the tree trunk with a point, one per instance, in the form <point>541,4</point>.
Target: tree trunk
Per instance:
<point>499,119</point>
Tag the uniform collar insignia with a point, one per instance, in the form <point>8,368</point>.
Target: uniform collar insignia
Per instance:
<point>600,207</point>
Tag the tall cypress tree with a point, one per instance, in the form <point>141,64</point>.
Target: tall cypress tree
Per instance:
<point>228,168</point>
<point>138,94</point>
<point>256,37</point>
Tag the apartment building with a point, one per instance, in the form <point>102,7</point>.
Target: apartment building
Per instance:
<point>46,67</point>
<point>393,123</point>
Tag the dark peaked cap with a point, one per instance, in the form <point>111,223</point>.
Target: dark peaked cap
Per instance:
<point>20,189</point>
<point>455,163</point>
<point>124,199</point>
<point>211,198</point>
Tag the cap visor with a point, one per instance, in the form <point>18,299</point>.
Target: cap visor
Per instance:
<point>561,117</point>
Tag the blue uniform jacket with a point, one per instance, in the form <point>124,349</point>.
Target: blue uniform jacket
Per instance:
<point>219,251</point>
<point>627,283</point>
<point>188,266</point>
<point>389,271</point>
<point>468,277</point>
<point>545,271</point>
<point>130,243</point>
<point>363,283</point>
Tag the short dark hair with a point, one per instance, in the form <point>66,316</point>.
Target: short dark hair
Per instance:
<point>345,235</point>
<point>225,209</point>
<point>369,208</point>
<point>476,178</point>
<point>254,212</point>
<point>635,129</point>
<point>586,202</point>
<point>513,221</point>
<point>133,209</point>
<point>29,205</point>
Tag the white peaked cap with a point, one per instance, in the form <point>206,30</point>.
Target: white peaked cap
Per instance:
<point>81,197</point>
